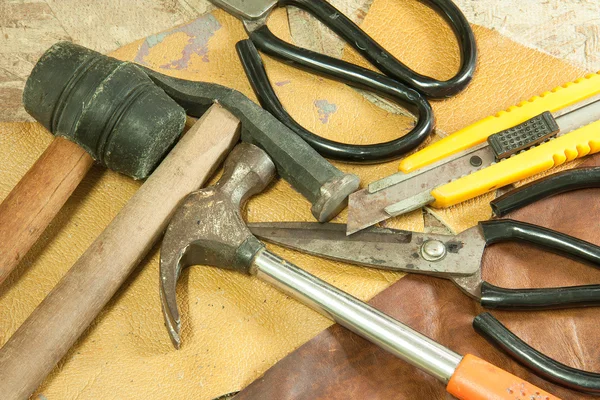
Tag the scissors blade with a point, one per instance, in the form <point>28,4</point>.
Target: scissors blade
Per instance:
<point>381,248</point>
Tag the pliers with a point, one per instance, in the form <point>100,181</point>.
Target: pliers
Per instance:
<point>458,258</point>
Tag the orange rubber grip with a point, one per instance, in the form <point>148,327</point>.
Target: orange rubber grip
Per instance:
<point>476,379</point>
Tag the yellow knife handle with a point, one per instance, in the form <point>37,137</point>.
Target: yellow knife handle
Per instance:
<point>576,144</point>
<point>556,99</point>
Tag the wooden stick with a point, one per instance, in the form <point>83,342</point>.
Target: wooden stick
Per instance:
<point>37,198</point>
<point>54,326</point>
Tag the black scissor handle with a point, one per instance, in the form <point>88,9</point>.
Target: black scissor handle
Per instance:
<point>499,336</point>
<point>560,182</point>
<point>385,61</point>
<point>345,72</point>
<point>502,230</point>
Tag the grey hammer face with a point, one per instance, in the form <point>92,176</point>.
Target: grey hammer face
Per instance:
<point>208,229</point>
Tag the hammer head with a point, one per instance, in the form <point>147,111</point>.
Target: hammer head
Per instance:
<point>108,107</point>
<point>208,228</point>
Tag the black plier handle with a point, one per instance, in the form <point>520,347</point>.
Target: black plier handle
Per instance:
<point>560,182</point>
<point>498,335</point>
<point>502,230</point>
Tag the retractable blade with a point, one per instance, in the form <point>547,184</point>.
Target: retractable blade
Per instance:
<point>401,193</point>
<point>445,256</point>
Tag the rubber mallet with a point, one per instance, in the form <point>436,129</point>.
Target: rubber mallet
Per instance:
<point>68,71</point>
<point>99,108</point>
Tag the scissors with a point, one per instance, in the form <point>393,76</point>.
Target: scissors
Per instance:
<point>458,258</point>
<point>399,83</point>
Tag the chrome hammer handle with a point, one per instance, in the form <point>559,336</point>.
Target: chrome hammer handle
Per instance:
<point>209,230</point>
<point>357,316</point>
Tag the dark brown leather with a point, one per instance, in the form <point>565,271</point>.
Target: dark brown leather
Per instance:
<point>337,364</point>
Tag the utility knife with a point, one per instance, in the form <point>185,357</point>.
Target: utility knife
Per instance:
<point>534,136</point>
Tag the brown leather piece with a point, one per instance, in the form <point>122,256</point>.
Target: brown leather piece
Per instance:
<point>337,364</point>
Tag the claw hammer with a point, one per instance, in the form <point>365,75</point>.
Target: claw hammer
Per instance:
<point>196,235</point>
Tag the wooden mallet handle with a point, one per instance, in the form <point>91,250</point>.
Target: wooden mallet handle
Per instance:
<point>54,326</point>
<point>37,198</point>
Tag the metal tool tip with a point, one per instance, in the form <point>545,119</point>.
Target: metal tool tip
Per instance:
<point>354,226</point>
<point>351,231</point>
<point>333,196</point>
<point>173,326</point>
<point>171,314</point>
<point>359,210</point>
<point>176,341</point>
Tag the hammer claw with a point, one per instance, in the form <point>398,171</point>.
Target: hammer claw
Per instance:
<point>171,255</point>
<point>207,229</point>
<point>177,253</point>
<point>171,313</point>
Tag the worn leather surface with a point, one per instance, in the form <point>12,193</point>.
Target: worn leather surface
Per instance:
<point>339,365</point>
<point>235,327</point>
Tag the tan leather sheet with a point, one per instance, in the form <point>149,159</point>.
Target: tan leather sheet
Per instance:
<point>235,327</point>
